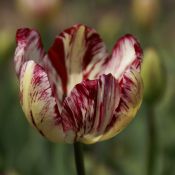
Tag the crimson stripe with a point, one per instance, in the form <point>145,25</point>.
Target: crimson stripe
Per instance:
<point>92,43</point>
<point>33,121</point>
<point>57,56</point>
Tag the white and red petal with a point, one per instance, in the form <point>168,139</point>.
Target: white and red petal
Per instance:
<point>108,96</point>
<point>29,47</point>
<point>127,53</point>
<point>38,102</point>
<point>131,90</point>
<point>78,109</point>
<point>125,65</point>
<point>77,54</point>
<point>90,107</point>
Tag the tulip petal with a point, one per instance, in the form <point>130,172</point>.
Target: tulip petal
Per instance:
<point>38,102</point>
<point>125,65</point>
<point>131,89</point>
<point>78,109</point>
<point>90,107</point>
<point>126,53</point>
<point>77,54</point>
<point>29,47</point>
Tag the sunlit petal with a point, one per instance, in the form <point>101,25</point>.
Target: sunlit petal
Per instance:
<point>126,53</point>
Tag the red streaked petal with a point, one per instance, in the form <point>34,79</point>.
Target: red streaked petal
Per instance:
<point>38,102</point>
<point>77,54</point>
<point>90,107</point>
<point>131,88</point>
<point>125,65</point>
<point>29,47</point>
<point>127,53</point>
<point>78,109</point>
<point>108,97</point>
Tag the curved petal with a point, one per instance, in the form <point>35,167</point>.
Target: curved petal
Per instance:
<point>29,47</point>
<point>38,102</point>
<point>125,65</point>
<point>127,53</point>
<point>78,109</point>
<point>77,54</point>
<point>131,88</point>
<point>90,107</point>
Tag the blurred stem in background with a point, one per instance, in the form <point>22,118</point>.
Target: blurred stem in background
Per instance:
<point>79,161</point>
<point>152,140</point>
<point>154,78</point>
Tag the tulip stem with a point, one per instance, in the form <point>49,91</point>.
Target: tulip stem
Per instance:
<point>152,141</point>
<point>79,161</point>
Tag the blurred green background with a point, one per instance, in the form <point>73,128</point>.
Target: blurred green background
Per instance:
<point>24,152</point>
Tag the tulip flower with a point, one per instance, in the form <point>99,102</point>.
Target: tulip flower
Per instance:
<point>77,91</point>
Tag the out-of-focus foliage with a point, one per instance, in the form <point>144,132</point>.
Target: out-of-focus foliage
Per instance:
<point>24,152</point>
<point>40,10</point>
<point>145,12</point>
<point>6,36</point>
<point>154,76</point>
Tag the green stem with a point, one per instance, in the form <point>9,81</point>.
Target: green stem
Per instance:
<point>152,141</point>
<point>79,158</point>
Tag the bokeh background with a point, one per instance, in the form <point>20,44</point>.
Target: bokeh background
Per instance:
<point>24,152</point>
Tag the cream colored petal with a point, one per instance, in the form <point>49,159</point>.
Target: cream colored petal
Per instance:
<point>38,102</point>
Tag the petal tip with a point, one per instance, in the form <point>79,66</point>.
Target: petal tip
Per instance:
<point>136,44</point>
<point>22,33</point>
<point>26,34</point>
